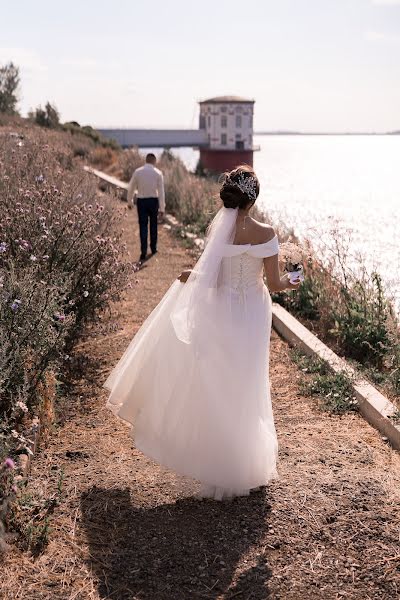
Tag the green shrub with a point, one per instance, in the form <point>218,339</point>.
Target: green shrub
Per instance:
<point>48,117</point>
<point>350,310</point>
<point>305,302</point>
<point>361,321</point>
<point>335,390</point>
<point>9,83</point>
<point>308,364</point>
<point>74,128</point>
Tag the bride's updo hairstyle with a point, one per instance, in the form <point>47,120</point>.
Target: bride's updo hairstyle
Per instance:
<point>240,187</point>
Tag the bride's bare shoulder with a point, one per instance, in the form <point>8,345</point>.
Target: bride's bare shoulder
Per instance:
<point>263,232</point>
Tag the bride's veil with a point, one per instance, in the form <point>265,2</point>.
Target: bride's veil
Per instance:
<point>195,308</point>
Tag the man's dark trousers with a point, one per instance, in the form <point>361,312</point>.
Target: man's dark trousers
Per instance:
<point>147,209</point>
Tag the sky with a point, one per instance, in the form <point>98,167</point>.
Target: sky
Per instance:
<point>310,65</point>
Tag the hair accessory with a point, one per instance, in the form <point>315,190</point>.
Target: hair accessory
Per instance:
<point>247,185</point>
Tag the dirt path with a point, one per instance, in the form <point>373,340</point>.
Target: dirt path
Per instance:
<point>127,529</point>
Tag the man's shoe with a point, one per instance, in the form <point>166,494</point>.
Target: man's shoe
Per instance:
<point>153,252</point>
<point>142,257</point>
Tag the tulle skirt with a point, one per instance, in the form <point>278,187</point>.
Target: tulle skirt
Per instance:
<point>203,410</point>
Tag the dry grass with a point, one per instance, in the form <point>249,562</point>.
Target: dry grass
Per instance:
<point>127,529</point>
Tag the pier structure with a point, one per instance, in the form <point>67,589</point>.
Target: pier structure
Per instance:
<point>224,137</point>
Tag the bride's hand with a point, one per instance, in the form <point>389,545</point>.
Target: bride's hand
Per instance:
<point>184,276</point>
<point>293,286</point>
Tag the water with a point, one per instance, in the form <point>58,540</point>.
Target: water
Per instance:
<point>313,181</point>
<point>309,182</point>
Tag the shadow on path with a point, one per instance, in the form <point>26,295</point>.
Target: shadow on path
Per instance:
<point>185,550</point>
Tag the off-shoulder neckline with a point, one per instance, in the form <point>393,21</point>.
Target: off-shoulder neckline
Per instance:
<point>254,245</point>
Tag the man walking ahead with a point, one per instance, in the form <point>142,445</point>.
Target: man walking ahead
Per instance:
<point>148,183</point>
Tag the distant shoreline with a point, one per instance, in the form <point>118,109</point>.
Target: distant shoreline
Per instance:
<point>324,133</point>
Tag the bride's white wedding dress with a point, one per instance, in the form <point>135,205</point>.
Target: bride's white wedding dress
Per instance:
<point>203,409</point>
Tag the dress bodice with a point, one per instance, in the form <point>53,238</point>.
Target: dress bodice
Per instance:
<point>242,265</point>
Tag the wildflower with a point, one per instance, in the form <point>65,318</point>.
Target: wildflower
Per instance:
<point>59,317</point>
<point>45,256</point>
<point>39,179</point>
<point>9,463</point>
<point>33,258</point>
<point>22,406</point>
<point>15,305</point>
<point>3,247</point>
<point>14,489</point>
<point>14,433</point>
<point>85,294</point>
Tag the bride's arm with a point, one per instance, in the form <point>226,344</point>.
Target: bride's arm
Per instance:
<point>275,280</point>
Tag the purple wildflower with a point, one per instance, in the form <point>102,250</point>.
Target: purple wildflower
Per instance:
<point>39,179</point>
<point>25,244</point>
<point>15,305</point>
<point>9,463</point>
<point>3,247</point>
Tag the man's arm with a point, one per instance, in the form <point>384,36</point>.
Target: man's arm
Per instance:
<point>131,188</point>
<point>161,193</point>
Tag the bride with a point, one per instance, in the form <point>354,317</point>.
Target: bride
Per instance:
<point>194,383</point>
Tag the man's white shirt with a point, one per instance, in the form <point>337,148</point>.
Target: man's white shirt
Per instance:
<point>148,182</point>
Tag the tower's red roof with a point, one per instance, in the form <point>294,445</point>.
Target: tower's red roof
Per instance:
<point>227,99</point>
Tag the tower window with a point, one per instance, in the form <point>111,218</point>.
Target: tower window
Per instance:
<point>238,120</point>
<point>209,121</point>
<point>224,121</point>
<point>223,139</point>
<point>223,109</point>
